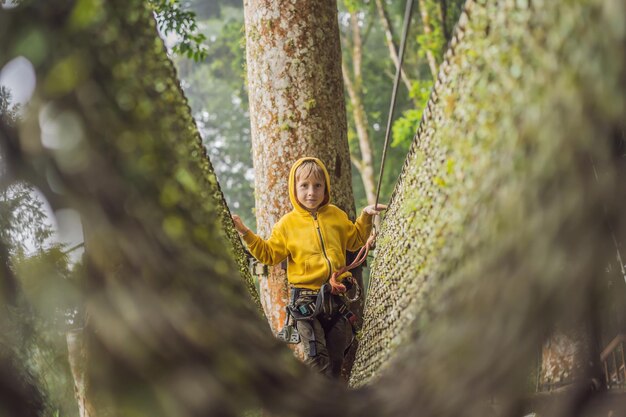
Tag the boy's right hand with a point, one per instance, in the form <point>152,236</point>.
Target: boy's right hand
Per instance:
<point>241,228</point>
<point>374,210</point>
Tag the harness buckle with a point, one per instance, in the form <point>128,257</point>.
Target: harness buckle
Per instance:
<point>289,334</point>
<point>258,269</point>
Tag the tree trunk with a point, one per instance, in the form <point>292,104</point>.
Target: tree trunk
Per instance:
<point>296,109</point>
<point>484,249</point>
<point>20,392</point>
<point>563,360</point>
<point>77,354</point>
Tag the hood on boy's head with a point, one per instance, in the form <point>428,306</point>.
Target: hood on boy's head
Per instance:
<point>292,183</point>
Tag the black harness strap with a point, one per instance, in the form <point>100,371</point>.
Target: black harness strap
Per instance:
<point>312,345</point>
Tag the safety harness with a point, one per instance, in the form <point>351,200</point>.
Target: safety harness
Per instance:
<point>306,305</point>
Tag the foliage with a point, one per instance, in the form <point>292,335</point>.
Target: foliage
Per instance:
<point>173,18</point>
<point>213,9</point>
<point>444,15</point>
<point>45,280</point>
<point>180,18</point>
<point>50,286</point>
<point>43,271</point>
<point>405,127</point>
<point>354,6</point>
<point>226,56</point>
<point>23,220</point>
<point>8,111</point>
<point>375,88</point>
<point>434,41</point>
<point>49,283</point>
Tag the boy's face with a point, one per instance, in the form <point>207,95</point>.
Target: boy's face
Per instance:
<point>310,192</point>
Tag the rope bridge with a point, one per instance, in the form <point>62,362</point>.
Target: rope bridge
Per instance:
<point>500,232</point>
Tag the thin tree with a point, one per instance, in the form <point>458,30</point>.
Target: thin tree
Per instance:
<point>387,26</point>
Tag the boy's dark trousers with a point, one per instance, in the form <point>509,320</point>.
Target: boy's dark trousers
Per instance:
<point>325,338</point>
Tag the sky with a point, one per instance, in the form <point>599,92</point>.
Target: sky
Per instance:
<point>18,75</point>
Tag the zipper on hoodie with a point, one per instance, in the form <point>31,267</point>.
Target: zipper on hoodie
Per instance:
<point>319,233</point>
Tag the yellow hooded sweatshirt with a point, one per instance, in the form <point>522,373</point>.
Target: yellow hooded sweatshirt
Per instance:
<point>314,244</point>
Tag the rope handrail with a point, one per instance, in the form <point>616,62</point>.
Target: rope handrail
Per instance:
<point>408,11</point>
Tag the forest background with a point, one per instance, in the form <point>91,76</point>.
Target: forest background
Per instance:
<point>213,73</point>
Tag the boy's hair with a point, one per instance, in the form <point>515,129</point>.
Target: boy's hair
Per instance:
<point>308,168</point>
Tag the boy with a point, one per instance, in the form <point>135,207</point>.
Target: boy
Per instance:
<point>314,237</point>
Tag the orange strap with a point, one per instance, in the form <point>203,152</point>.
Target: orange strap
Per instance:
<point>336,287</point>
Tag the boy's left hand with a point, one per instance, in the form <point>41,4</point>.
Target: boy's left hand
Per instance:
<point>374,210</point>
